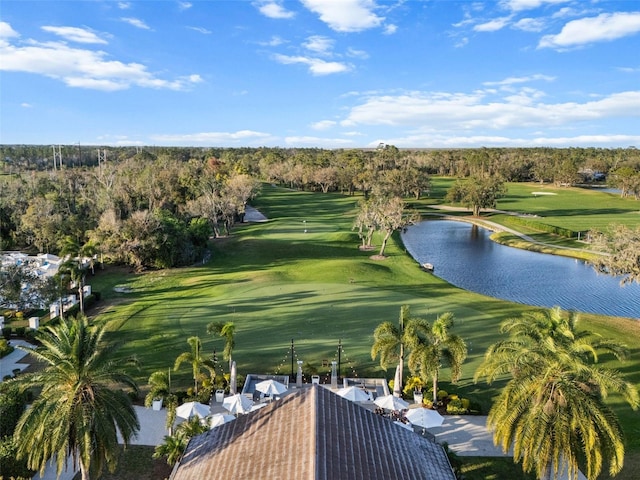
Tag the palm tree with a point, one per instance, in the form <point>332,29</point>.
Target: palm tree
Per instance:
<point>227,331</point>
<point>80,410</point>
<point>389,343</point>
<point>196,359</point>
<point>431,346</point>
<point>553,411</point>
<point>174,445</point>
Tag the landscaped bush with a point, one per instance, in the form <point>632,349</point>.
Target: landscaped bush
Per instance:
<point>442,394</point>
<point>456,406</point>
<point>20,331</point>
<point>543,227</point>
<point>5,348</point>
<point>6,332</point>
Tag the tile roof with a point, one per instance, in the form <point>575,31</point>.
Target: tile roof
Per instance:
<point>313,434</point>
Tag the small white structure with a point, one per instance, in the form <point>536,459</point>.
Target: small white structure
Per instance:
<point>34,323</point>
<point>86,290</point>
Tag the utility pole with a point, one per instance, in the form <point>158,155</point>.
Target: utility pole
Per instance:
<point>57,154</point>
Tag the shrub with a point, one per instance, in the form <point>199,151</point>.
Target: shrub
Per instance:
<point>19,315</point>
<point>442,394</point>
<point>6,332</point>
<point>5,348</point>
<point>456,407</point>
<point>414,384</point>
<point>20,331</point>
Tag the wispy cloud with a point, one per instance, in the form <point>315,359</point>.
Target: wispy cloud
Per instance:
<point>319,44</point>
<point>604,27</point>
<point>273,9</point>
<point>520,5</point>
<point>487,110</point>
<point>26,105</point>
<point>185,5</point>
<point>323,125</point>
<point>516,80</point>
<point>136,22</point>
<point>346,15</point>
<point>82,68</point>
<point>241,137</point>
<point>202,30</point>
<point>124,5</point>
<point>75,34</point>
<point>316,66</point>
<point>317,141</point>
<point>390,29</point>
<point>273,42</point>
<point>529,24</point>
<point>492,25</point>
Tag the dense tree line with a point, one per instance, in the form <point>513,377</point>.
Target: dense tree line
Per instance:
<point>157,206</point>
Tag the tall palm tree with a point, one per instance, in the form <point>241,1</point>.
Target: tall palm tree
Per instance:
<point>431,346</point>
<point>197,360</point>
<point>80,409</point>
<point>389,343</point>
<point>174,445</point>
<point>227,331</point>
<point>553,411</point>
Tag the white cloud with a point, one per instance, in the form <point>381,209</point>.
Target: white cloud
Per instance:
<point>185,5</point>
<point>202,30</point>
<point>124,5</point>
<point>390,29</point>
<point>75,34</point>
<point>492,25</point>
<point>273,42</point>
<point>317,141</point>
<point>243,137</point>
<point>529,24</point>
<point>629,69</point>
<point>604,27</point>
<point>352,52</point>
<point>519,5</point>
<point>319,44</point>
<point>81,68</point>
<point>323,125</point>
<point>136,22</point>
<point>26,105</point>
<point>6,31</point>
<point>480,109</point>
<point>345,15</point>
<point>316,65</point>
<point>274,9</point>
<point>515,80</point>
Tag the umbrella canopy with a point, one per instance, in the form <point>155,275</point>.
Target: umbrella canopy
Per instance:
<point>424,417</point>
<point>271,387</point>
<point>355,394</point>
<point>237,403</point>
<point>191,409</point>
<point>220,419</point>
<point>391,402</point>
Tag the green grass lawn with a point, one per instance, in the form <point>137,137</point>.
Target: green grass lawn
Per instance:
<point>278,283</point>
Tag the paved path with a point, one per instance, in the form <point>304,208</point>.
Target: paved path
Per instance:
<point>12,361</point>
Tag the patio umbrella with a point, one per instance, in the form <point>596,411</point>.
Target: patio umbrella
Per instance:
<point>237,403</point>
<point>424,417</point>
<point>390,402</point>
<point>355,394</point>
<point>271,387</point>
<point>191,409</point>
<point>220,419</point>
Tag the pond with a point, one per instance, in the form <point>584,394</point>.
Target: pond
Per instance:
<point>465,256</point>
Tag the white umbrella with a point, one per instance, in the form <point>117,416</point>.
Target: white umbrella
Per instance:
<point>271,387</point>
<point>220,419</point>
<point>237,403</point>
<point>191,409</point>
<point>355,394</point>
<point>424,417</point>
<point>391,402</point>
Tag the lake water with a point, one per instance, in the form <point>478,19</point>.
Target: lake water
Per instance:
<point>465,256</point>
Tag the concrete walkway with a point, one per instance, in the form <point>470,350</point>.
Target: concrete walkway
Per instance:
<point>12,361</point>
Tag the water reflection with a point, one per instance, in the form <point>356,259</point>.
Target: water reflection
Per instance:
<point>465,256</point>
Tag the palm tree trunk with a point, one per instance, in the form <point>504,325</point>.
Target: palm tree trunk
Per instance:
<point>435,390</point>
<point>84,472</point>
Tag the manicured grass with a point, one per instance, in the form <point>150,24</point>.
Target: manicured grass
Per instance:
<point>278,283</point>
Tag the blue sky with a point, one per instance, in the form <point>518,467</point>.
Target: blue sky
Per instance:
<point>321,73</point>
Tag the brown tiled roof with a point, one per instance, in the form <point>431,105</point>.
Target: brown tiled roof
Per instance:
<point>313,434</point>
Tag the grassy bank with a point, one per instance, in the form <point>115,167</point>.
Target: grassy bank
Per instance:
<point>278,282</point>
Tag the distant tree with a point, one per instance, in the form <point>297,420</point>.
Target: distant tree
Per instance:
<point>365,222</point>
<point>391,215</point>
<point>622,247</point>
<point>477,193</point>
